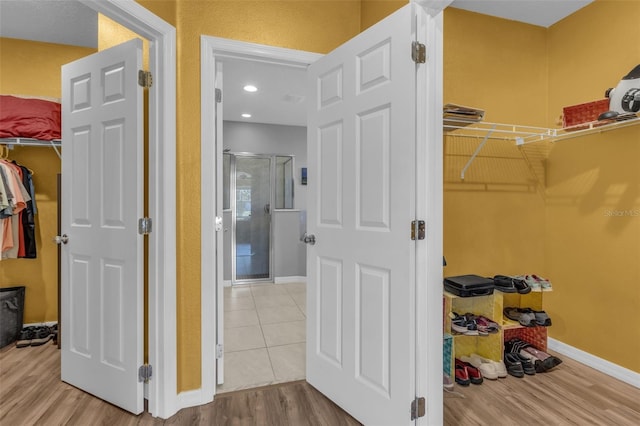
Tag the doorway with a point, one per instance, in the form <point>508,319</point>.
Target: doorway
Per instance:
<point>373,53</point>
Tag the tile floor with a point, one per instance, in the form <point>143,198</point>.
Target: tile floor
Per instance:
<point>265,330</point>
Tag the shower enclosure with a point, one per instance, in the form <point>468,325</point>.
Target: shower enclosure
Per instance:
<point>253,186</point>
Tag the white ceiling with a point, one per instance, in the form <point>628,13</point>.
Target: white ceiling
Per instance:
<point>543,13</point>
<point>280,96</point>
<point>51,21</point>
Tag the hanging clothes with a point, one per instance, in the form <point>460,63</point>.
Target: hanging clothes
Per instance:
<point>17,209</point>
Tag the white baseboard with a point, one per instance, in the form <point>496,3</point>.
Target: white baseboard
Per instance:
<point>292,279</point>
<point>226,283</point>
<point>602,365</point>
<point>39,324</point>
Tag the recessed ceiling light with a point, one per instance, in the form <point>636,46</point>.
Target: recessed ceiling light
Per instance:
<point>250,88</point>
<point>245,115</point>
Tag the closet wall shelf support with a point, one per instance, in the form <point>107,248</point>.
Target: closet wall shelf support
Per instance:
<point>12,142</point>
<point>476,152</point>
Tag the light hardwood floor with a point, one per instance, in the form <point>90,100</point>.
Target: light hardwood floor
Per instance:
<point>31,393</point>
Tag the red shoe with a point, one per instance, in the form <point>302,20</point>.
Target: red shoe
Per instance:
<point>475,376</point>
<point>462,373</point>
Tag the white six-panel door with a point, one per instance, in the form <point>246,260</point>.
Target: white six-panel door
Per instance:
<point>361,270</point>
<point>102,271</point>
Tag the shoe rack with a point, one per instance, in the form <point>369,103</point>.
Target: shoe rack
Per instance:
<point>491,306</point>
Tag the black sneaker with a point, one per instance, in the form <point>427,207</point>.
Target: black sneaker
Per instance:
<point>25,337</point>
<point>513,364</point>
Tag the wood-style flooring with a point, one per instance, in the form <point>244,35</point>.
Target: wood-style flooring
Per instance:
<point>31,393</point>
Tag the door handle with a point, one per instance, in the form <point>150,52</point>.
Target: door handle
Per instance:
<point>309,239</point>
<point>63,239</point>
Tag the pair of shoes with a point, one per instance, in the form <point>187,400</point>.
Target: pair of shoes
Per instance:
<point>34,336</point>
<point>536,282</point>
<point>507,284</point>
<point>541,360</point>
<point>524,316</point>
<point>489,369</point>
<point>519,350</point>
<point>463,325</point>
<point>467,373</point>
<point>527,316</point>
<point>485,324</point>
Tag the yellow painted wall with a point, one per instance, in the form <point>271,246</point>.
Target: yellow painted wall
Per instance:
<point>592,249</point>
<point>33,68</point>
<point>373,11</point>
<point>490,225</point>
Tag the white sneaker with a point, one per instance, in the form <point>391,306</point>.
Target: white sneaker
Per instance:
<point>486,367</point>
<point>498,366</point>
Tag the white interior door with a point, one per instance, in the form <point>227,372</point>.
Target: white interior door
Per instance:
<point>361,270</point>
<point>102,271</point>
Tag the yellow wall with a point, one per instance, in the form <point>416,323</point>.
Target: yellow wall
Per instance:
<point>592,238</point>
<point>491,226</point>
<point>373,11</point>
<point>33,68</point>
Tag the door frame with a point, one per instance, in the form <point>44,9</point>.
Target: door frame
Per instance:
<point>211,153</point>
<point>162,390</point>
<point>429,200</point>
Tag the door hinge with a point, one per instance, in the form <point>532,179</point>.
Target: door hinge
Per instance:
<point>218,95</point>
<point>419,227</point>
<point>145,79</point>
<point>144,373</point>
<point>219,351</point>
<point>144,226</point>
<point>418,52</point>
<point>218,224</point>
<point>418,408</point>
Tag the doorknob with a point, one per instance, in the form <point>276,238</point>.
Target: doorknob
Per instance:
<point>309,239</point>
<point>64,239</point>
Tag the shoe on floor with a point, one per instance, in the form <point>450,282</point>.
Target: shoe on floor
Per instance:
<point>42,335</point>
<point>513,364</point>
<point>462,374</point>
<point>527,364</point>
<point>487,367</point>
<point>26,336</point>
<point>498,366</point>
<point>475,376</point>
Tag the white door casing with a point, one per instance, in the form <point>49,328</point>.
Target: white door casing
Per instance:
<point>219,236</point>
<point>362,180</point>
<point>212,49</point>
<point>102,187</point>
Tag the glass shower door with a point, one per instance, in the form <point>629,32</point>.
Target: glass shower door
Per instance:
<point>252,218</point>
